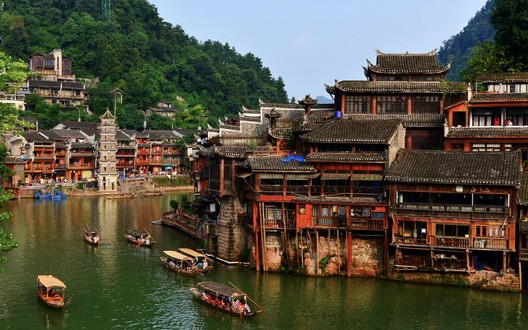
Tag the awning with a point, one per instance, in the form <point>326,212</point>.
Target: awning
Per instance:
<point>243,175</point>
<point>271,176</point>
<point>335,176</point>
<point>367,177</point>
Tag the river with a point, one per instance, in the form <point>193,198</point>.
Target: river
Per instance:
<point>120,286</point>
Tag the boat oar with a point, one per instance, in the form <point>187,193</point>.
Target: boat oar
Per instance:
<point>262,309</point>
<point>140,242</point>
<point>151,238</point>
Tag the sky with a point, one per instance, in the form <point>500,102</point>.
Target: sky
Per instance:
<point>311,43</point>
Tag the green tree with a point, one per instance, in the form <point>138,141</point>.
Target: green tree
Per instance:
<point>510,19</point>
<point>487,57</point>
<point>7,242</point>
<point>13,74</point>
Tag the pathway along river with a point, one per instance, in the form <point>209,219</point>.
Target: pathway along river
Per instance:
<point>120,286</point>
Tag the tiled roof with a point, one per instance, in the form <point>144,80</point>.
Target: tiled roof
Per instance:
<point>425,87</point>
<point>442,167</point>
<point>295,106</point>
<point>36,137</point>
<point>345,156</point>
<point>121,135</point>
<point>523,190</point>
<point>488,132</point>
<point>81,145</point>
<point>503,77</point>
<point>279,133</point>
<point>275,164</point>
<point>354,131</point>
<point>498,97</point>
<point>66,133</point>
<point>407,63</point>
<point>232,151</point>
<point>340,200</point>
<point>15,160</point>
<point>81,125</point>
<point>412,120</point>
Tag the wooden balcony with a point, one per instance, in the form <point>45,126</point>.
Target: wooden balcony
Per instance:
<point>329,222</point>
<point>366,224</point>
<point>523,254</point>
<point>446,241</point>
<point>453,211</point>
<point>279,224</point>
<point>491,243</point>
<point>409,241</point>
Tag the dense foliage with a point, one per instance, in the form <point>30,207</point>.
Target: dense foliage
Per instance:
<point>458,49</point>
<point>133,49</point>
<point>13,74</point>
<point>507,52</point>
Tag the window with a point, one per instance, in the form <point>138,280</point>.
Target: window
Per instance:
<point>412,229</point>
<point>448,230</point>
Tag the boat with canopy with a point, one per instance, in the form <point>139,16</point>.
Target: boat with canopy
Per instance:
<point>51,290</point>
<point>225,298</point>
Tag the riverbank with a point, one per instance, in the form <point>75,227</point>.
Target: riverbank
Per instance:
<point>70,190</point>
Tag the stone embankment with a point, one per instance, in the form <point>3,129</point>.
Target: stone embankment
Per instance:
<point>483,279</point>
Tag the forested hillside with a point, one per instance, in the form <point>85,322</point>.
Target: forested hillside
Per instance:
<point>131,48</point>
<point>457,49</point>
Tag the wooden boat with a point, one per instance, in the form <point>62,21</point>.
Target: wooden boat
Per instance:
<point>91,236</point>
<point>51,290</point>
<point>200,259</point>
<point>154,193</point>
<point>226,298</point>
<point>140,237</point>
<point>180,263</point>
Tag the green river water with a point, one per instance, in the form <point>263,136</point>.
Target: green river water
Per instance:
<point>120,286</point>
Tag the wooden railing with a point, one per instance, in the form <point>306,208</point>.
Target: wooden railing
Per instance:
<point>335,222</point>
<point>523,254</point>
<point>454,211</point>
<point>458,242</point>
<point>367,224</point>
<point>277,223</point>
<point>410,240</point>
<point>492,243</point>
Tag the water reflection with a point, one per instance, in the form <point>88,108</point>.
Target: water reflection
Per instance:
<point>119,285</point>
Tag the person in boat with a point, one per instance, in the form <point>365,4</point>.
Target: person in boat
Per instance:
<point>204,264</point>
<point>95,238</point>
<point>247,310</point>
<point>147,240</point>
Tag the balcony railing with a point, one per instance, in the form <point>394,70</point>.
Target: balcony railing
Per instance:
<point>335,222</point>
<point>491,243</point>
<point>277,223</point>
<point>454,211</point>
<point>409,240</point>
<point>367,224</point>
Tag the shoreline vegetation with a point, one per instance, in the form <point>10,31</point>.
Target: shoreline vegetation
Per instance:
<point>139,186</point>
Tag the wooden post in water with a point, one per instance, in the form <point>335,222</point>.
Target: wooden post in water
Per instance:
<point>317,252</point>
<point>349,254</point>
<point>520,275</point>
<point>256,230</point>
